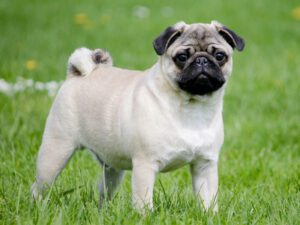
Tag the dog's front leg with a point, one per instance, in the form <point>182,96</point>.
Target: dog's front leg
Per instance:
<point>205,182</point>
<point>143,179</point>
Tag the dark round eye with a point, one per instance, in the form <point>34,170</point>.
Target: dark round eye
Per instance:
<point>220,56</point>
<point>183,57</point>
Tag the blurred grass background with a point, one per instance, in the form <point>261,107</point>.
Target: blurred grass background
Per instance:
<point>259,162</point>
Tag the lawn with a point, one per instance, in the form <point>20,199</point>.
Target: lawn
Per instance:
<point>259,165</point>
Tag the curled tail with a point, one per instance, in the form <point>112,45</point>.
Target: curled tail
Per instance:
<point>83,61</point>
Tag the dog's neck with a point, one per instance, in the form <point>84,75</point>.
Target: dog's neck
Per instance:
<point>171,96</point>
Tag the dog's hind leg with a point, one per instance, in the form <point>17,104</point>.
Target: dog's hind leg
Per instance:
<point>109,183</point>
<point>55,151</point>
<point>52,158</point>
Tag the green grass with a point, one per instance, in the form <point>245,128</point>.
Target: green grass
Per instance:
<point>260,160</point>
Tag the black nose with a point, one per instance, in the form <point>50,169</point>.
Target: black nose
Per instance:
<point>201,61</point>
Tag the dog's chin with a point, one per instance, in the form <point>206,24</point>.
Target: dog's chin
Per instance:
<point>202,84</point>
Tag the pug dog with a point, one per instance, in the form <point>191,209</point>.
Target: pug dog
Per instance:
<point>149,121</point>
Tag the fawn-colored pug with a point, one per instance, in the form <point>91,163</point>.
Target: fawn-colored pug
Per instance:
<point>149,121</point>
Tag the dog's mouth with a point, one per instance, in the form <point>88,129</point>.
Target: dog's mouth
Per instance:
<point>201,75</point>
<point>202,83</point>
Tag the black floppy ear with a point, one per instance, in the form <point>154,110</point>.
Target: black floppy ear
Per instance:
<point>234,40</point>
<point>166,38</point>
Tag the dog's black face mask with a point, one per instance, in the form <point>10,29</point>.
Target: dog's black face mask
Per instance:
<point>201,74</point>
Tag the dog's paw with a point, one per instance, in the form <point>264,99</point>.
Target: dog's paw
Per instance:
<point>36,193</point>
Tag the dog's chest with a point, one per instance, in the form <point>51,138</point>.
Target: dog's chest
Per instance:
<point>176,134</point>
<point>186,146</point>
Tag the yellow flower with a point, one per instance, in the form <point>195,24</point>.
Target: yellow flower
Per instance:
<point>296,13</point>
<point>31,64</point>
<point>81,19</point>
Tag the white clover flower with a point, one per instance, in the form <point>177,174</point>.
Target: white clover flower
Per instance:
<point>5,87</point>
<point>167,11</point>
<point>22,84</point>
<point>141,12</point>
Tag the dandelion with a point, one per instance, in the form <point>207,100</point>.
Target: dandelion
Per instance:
<point>81,19</point>
<point>296,13</point>
<point>31,64</point>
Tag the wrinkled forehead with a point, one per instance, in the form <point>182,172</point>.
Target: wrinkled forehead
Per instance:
<point>201,36</point>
